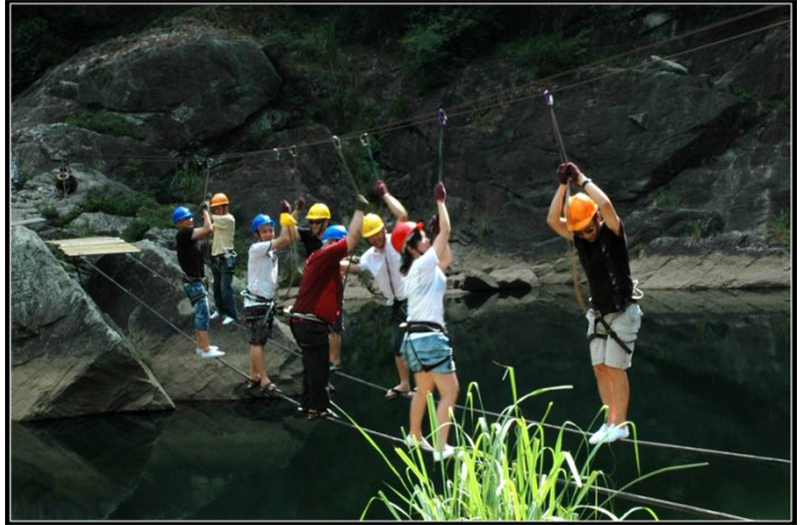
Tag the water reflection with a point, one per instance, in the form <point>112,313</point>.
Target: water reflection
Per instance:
<point>711,370</point>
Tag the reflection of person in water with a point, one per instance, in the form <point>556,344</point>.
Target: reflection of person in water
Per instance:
<point>66,183</point>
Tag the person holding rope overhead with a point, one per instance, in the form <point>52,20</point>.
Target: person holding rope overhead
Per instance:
<point>195,284</point>
<point>318,306</point>
<point>262,284</point>
<point>426,346</point>
<point>319,218</point>
<point>223,258</point>
<point>383,262</point>
<point>614,315</point>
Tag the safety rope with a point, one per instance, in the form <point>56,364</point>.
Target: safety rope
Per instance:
<point>655,444</point>
<point>442,117</point>
<point>365,142</point>
<point>534,86</point>
<point>570,242</point>
<point>337,144</point>
<point>170,323</point>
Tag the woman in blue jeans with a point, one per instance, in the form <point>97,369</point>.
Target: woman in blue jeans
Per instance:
<point>426,346</point>
<point>223,258</point>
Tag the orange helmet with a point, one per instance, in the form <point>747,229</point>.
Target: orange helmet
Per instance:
<point>220,199</point>
<point>581,212</point>
<point>402,231</point>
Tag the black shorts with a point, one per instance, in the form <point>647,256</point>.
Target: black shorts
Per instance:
<point>259,318</point>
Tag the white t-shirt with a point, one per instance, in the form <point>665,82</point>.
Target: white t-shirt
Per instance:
<point>390,282</point>
<point>425,286</point>
<point>262,271</point>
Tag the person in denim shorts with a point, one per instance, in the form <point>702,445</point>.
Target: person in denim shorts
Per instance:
<point>194,283</point>
<point>426,346</point>
<point>614,317</point>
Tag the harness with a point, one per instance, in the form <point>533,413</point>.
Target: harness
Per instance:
<point>264,309</point>
<point>600,318</point>
<point>194,299</point>
<point>311,318</point>
<point>418,327</point>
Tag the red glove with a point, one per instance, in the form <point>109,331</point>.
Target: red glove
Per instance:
<point>433,225</point>
<point>568,172</point>
<point>380,188</point>
<point>300,203</point>
<point>286,207</point>
<point>439,193</point>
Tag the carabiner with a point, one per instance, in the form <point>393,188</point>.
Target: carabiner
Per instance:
<point>442,116</point>
<point>365,140</point>
<point>336,142</point>
<point>548,97</point>
<point>277,153</point>
<point>293,151</point>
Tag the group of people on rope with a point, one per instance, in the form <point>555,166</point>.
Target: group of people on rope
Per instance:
<point>407,265</point>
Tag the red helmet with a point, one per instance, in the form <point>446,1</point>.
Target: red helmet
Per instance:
<point>402,231</point>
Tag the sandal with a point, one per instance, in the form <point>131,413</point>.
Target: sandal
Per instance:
<point>251,383</point>
<point>395,392</point>
<point>271,389</point>
<point>325,414</point>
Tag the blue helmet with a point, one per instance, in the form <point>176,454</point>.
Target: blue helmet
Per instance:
<point>259,221</point>
<point>336,232</point>
<point>180,213</point>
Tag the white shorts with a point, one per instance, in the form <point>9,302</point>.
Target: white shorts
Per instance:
<point>605,350</point>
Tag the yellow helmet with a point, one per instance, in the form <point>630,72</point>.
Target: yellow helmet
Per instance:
<point>581,212</point>
<point>371,225</point>
<point>220,199</point>
<point>318,211</point>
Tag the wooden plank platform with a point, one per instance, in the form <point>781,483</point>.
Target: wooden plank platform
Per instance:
<point>94,246</point>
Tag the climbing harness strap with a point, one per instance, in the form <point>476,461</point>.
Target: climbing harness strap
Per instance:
<point>600,318</point>
<point>417,327</point>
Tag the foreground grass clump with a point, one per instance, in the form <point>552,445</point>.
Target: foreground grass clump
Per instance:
<point>502,470</point>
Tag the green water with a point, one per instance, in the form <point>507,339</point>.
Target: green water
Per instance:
<point>711,370</point>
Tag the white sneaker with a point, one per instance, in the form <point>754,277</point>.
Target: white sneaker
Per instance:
<point>423,443</point>
<point>617,432</point>
<point>227,320</point>
<point>443,454</point>
<point>212,352</point>
<point>599,435</point>
<point>199,351</point>
<point>213,316</point>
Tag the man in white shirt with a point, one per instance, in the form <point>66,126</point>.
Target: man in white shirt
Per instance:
<point>383,262</point>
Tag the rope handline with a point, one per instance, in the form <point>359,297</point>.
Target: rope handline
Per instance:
<point>181,332</point>
<point>565,206</point>
<point>442,117</point>
<point>208,176</point>
<point>365,142</point>
<point>416,121</point>
<point>337,144</point>
<point>295,261</point>
<point>699,450</point>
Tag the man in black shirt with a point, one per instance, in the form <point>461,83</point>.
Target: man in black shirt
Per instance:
<point>614,316</point>
<point>194,283</point>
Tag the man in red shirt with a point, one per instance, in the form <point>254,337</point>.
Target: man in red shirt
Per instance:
<point>318,304</point>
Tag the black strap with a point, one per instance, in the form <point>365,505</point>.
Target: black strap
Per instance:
<point>609,333</point>
<point>427,368</point>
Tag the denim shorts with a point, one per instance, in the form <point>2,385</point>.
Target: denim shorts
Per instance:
<point>427,350</point>
<point>198,296</point>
